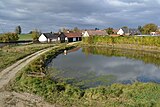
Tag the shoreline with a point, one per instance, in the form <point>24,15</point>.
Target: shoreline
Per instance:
<point>134,47</point>
<point>69,95</point>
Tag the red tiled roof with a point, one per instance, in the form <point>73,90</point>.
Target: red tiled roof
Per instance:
<point>73,34</point>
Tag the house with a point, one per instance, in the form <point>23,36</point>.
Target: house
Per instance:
<point>155,33</point>
<point>115,31</point>
<point>88,33</point>
<point>127,31</point>
<point>70,37</point>
<point>49,37</point>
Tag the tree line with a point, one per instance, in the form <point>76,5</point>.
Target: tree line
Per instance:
<point>14,36</point>
<point>146,29</point>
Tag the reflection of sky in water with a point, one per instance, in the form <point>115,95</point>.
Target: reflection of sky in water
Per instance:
<point>122,68</point>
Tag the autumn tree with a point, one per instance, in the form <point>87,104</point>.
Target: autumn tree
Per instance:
<point>35,35</point>
<point>109,31</point>
<point>148,28</point>
<point>9,37</point>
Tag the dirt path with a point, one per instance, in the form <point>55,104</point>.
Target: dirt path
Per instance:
<point>13,99</point>
<point>7,74</point>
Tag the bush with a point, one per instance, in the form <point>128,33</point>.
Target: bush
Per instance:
<point>9,37</point>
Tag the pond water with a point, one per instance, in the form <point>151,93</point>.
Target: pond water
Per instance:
<point>94,66</point>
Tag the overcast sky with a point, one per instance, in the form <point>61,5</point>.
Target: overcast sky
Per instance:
<point>50,15</point>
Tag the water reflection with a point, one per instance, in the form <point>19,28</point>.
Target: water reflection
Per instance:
<point>93,66</point>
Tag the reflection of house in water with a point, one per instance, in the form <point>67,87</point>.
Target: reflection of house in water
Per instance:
<point>65,52</point>
<point>72,50</point>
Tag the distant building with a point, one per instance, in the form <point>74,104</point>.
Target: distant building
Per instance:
<point>70,37</point>
<point>127,31</point>
<point>48,37</point>
<point>115,31</point>
<point>88,33</point>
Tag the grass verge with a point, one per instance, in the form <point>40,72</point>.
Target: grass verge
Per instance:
<point>12,53</point>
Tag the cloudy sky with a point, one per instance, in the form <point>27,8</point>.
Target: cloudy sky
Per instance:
<point>50,15</point>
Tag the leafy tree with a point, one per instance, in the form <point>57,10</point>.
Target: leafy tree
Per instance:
<point>109,31</point>
<point>148,28</point>
<point>35,35</point>
<point>18,30</point>
<point>76,29</point>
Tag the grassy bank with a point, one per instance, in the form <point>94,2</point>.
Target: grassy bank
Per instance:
<point>147,41</point>
<point>12,53</point>
<point>34,79</point>
<point>146,57</point>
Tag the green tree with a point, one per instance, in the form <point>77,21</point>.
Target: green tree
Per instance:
<point>35,35</point>
<point>76,29</point>
<point>18,30</point>
<point>148,28</point>
<point>140,28</point>
<point>109,31</point>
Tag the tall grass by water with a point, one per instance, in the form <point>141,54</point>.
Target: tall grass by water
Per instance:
<point>148,41</point>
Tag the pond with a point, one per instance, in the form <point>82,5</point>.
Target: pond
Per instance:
<point>94,66</point>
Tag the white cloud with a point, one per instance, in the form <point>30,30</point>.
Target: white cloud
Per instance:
<point>124,4</point>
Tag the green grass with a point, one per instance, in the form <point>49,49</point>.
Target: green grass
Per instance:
<point>10,54</point>
<point>25,37</point>
<point>60,93</point>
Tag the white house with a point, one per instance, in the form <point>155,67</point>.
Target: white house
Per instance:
<point>120,32</point>
<point>48,37</point>
<point>85,34</point>
<point>127,31</point>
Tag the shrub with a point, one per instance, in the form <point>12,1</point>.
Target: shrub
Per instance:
<point>9,37</point>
